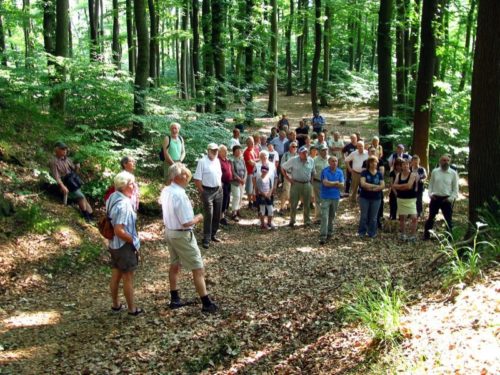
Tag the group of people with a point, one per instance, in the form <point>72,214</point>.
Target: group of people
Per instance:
<point>304,167</point>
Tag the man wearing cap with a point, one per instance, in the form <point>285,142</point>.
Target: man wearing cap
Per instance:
<point>208,181</point>
<point>61,168</point>
<point>299,171</point>
<point>400,153</point>
<point>320,163</point>
<point>357,158</point>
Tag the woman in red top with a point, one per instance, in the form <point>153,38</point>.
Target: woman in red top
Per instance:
<point>227,177</point>
<point>250,157</point>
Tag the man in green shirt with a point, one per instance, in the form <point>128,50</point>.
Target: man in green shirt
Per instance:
<point>173,148</point>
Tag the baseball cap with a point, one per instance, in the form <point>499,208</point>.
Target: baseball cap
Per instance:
<point>303,149</point>
<point>322,147</point>
<point>212,146</point>
<point>315,147</point>
<point>61,145</point>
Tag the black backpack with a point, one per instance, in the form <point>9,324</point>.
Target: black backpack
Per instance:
<point>160,154</point>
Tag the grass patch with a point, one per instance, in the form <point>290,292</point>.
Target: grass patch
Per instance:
<point>32,218</point>
<point>78,258</point>
<point>378,307</point>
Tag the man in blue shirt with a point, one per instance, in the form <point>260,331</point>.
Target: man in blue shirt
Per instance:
<point>332,180</point>
<point>317,122</point>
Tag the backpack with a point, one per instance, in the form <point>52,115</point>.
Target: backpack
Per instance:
<point>160,154</point>
<point>105,226</point>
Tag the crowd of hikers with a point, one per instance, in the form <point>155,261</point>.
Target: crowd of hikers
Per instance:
<point>289,170</point>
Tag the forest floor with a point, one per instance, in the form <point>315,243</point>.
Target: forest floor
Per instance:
<point>280,295</point>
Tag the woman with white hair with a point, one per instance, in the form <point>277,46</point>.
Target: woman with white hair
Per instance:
<point>125,244</point>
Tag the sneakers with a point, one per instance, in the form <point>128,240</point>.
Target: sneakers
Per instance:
<point>210,309</point>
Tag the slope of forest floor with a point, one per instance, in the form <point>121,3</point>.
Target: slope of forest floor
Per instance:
<point>281,296</point>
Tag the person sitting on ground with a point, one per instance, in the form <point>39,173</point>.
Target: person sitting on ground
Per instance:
<point>125,244</point>
<point>173,148</point>
<point>208,181</point>
<point>357,158</point>
<point>421,177</point>
<point>332,180</point>
<point>235,140</point>
<point>372,184</point>
<point>274,134</point>
<point>128,164</point>
<point>179,220</point>
<point>335,146</point>
<point>400,153</point>
<point>321,140</point>
<point>285,195</point>
<point>250,157</point>
<point>283,121</point>
<point>317,122</point>
<point>406,190</point>
<point>264,192</point>
<point>239,173</point>
<point>346,151</point>
<point>302,132</point>
<point>320,163</point>
<point>393,203</point>
<point>62,170</point>
<point>443,191</point>
<point>227,177</point>
<point>377,146</point>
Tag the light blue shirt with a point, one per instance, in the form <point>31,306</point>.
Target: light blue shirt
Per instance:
<point>120,210</point>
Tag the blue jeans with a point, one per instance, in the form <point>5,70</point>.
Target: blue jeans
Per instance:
<point>328,211</point>
<point>368,217</point>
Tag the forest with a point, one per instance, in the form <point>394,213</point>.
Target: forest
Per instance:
<point>108,77</point>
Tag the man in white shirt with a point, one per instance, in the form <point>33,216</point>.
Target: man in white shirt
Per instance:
<point>208,181</point>
<point>443,190</point>
<point>179,220</point>
<point>357,157</point>
<point>235,140</point>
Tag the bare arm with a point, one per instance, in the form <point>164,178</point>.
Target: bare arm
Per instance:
<point>168,159</point>
<point>198,185</point>
<point>198,218</point>
<point>122,234</point>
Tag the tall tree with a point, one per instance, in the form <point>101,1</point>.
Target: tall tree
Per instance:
<point>142,68</point>
<point>249,52</point>
<point>485,111</point>
<point>208,57</point>
<point>27,32</point>
<point>411,50</point>
<point>196,53</point>
<point>130,37</point>
<point>218,17</point>
<point>116,48</point>
<point>326,53</point>
<point>184,52</point>
<point>401,16</point>
<point>422,114</point>
<point>272,107</point>
<point>288,49</point>
<point>94,29</point>
<point>3,55</point>
<point>468,32</point>
<point>49,27</point>
<point>153,42</point>
<point>384,45</point>
<point>317,56</point>
<point>58,100</point>
<point>305,36</point>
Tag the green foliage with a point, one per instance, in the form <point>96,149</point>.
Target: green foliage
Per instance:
<point>221,351</point>
<point>351,87</point>
<point>78,258</point>
<point>32,218</point>
<point>379,308</point>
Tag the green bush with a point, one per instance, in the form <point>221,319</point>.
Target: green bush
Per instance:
<point>33,219</point>
<point>379,309</point>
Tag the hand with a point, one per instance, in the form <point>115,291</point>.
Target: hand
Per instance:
<point>64,190</point>
<point>198,218</point>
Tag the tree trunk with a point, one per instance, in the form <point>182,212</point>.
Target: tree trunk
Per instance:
<point>130,37</point>
<point>153,40</point>
<point>439,32</point>
<point>400,53</point>
<point>359,45</point>
<point>289,67</point>
<point>412,47</point>
<point>49,28</point>
<point>374,46</point>
<point>196,54</point>
<point>249,51</point>
<point>218,15</point>
<point>384,52</point>
<point>208,58</point>
<point>3,55</point>
<point>94,29</point>
<point>485,111</point>
<point>316,57</point>
<point>422,118</point>
<point>468,32</point>
<point>142,69</point>
<point>27,31</point>
<point>116,48</point>
<point>272,107</point>
<point>351,26</point>
<point>326,54</point>
<point>184,52</point>
<point>58,100</point>
<point>300,40</point>
<point>70,40</point>
<point>305,33</point>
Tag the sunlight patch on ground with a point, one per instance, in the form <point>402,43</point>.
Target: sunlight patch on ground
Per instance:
<point>253,358</point>
<point>32,319</point>
<point>9,356</point>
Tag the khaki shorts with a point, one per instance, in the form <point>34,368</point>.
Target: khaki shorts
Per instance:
<point>184,249</point>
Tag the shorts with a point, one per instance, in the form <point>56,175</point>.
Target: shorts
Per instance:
<point>261,200</point>
<point>407,206</point>
<point>124,258</point>
<point>183,249</point>
<point>76,195</point>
